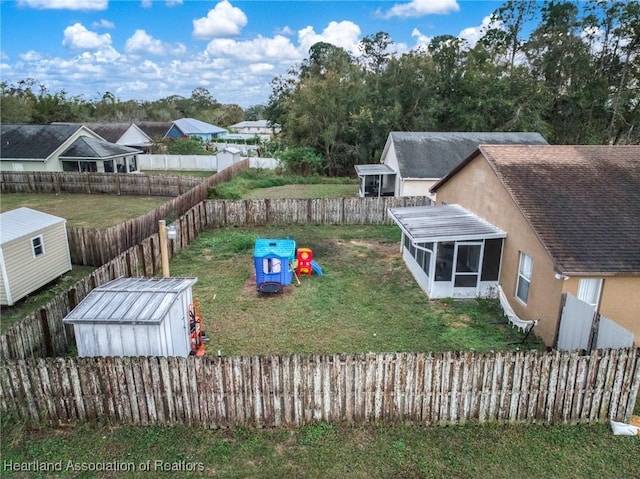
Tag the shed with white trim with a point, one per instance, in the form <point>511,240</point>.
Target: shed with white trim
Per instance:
<point>34,251</point>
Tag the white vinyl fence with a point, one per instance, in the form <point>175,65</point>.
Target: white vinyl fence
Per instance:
<point>199,162</point>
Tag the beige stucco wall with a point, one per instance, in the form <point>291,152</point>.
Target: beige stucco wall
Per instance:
<point>478,189</point>
<point>619,301</point>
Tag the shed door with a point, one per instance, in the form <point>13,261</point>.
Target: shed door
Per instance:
<point>467,260</point>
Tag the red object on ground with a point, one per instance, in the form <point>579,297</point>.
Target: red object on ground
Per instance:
<point>305,257</point>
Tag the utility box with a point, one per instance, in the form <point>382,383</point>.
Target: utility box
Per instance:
<point>135,317</point>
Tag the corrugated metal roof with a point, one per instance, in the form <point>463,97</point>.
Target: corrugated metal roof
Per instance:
<point>24,221</point>
<point>427,224</point>
<point>130,300</point>
<point>374,169</point>
<point>284,248</point>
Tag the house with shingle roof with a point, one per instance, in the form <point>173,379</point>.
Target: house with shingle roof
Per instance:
<point>571,222</point>
<point>412,162</point>
<point>62,147</point>
<point>125,134</point>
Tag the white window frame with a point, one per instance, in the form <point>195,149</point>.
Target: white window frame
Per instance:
<point>41,246</point>
<point>524,274</point>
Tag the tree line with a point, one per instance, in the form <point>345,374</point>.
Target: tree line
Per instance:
<point>567,69</point>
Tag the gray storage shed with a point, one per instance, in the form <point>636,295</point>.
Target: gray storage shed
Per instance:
<point>34,251</point>
<point>135,317</point>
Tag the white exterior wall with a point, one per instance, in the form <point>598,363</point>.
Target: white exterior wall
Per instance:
<point>178,162</point>
<point>411,187</point>
<point>22,273</point>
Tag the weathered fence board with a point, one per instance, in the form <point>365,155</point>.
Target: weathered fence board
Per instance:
<point>274,391</point>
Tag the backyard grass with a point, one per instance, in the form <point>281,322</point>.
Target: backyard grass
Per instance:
<point>92,211</point>
<point>328,451</point>
<point>304,191</point>
<point>366,300</point>
<point>10,315</point>
<point>263,183</point>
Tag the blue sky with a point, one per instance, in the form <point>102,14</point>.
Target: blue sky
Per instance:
<point>150,49</point>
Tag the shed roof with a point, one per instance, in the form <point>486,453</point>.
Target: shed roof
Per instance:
<point>374,169</point>
<point>91,148</point>
<point>583,202</point>
<point>433,154</point>
<point>24,221</point>
<point>283,248</point>
<point>130,301</point>
<point>430,224</point>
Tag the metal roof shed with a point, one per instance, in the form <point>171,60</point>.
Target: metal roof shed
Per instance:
<point>135,317</point>
<point>450,251</point>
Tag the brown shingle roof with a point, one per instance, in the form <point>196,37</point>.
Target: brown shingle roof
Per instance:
<point>583,202</point>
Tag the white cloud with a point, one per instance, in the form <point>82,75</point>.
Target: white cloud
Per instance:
<point>223,20</point>
<point>344,34</point>
<point>260,68</point>
<point>473,34</point>
<point>421,39</point>
<point>30,56</point>
<point>277,48</point>
<point>420,8</point>
<point>173,3</point>
<point>286,30</point>
<point>65,4</point>
<point>78,37</point>
<point>103,24</point>
<point>141,42</point>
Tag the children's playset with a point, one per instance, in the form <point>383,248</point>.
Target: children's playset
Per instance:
<point>277,262</point>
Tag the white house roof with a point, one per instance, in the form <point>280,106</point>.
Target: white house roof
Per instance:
<point>23,221</point>
<point>429,224</point>
<point>130,301</point>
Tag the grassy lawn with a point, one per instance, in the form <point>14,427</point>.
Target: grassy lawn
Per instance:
<point>304,191</point>
<point>366,300</point>
<point>262,183</point>
<point>328,451</point>
<point>92,211</point>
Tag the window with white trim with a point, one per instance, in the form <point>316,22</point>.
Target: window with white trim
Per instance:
<point>589,290</point>
<point>37,246</point>
<point>524,277</point>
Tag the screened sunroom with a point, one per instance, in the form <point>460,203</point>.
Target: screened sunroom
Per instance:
<point>376,180</point>
<point>451,252</point>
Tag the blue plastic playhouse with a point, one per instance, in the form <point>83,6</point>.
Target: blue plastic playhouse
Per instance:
<point>273,260</point>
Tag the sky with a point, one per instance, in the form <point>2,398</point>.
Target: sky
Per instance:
<point>151,49</point>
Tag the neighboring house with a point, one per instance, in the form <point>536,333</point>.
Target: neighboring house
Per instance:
<point>33,252</point>
<point>261,128</point>
<point>571,219</point>
<point>135,317</point>
<point>412,162</point>
<point>62,147</point>
<point>192,128</point>
<point>125,134</point>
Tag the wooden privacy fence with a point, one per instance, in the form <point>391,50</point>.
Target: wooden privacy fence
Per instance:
<point>95,247</point>
<point>43,333</point>
<point>272,391</point>
<point>95,183</point>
